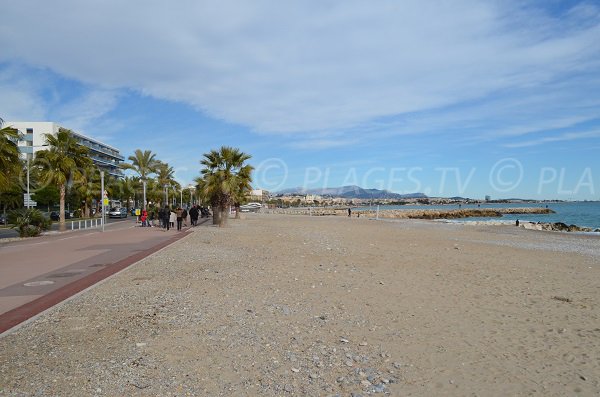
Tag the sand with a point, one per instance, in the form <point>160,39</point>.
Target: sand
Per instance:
<point>296,305</point>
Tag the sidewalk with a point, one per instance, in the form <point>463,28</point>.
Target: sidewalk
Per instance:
<point>37,273</point>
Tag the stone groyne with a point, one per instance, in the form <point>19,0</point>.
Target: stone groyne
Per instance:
<point>414,214</point>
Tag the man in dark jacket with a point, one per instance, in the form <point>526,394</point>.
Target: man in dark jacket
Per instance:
<point>165,217</point>
<point>194,215</point>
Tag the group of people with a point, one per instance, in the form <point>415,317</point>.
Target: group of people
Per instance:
<point>169,217</point>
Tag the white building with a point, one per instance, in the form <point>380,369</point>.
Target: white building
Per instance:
<point>33,139</point>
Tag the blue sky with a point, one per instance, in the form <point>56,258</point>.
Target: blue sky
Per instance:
<point>448,98</point>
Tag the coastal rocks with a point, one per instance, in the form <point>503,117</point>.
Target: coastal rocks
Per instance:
<point>419,214</point>
<point>556,227</point>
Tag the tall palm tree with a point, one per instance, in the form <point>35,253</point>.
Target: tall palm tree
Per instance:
<point>61,163</point>
<point>144,164</point>
<point>126,189</point>
<point>225,178</point>
<point>10,159</point>
<point>88,187</point>
<point>244,180</point>
<point>165,176</point>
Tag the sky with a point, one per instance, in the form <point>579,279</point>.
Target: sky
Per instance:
<point>448,98</point>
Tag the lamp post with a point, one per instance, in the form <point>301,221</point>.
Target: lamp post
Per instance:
<point>102,196</point>
<point>28,196</point>
<point>144,185</point>
<point>181,198</point>
<point>166,195</point>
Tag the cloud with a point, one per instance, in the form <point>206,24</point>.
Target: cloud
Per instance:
<point>19,98</point>
<point>565,137</point>
<point>85,109</point>
<point>314,66</point>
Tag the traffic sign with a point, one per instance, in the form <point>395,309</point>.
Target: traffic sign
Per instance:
<point>105,201</point>
<point>27,201</point>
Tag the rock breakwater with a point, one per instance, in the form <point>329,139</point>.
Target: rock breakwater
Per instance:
<point>416,214</point>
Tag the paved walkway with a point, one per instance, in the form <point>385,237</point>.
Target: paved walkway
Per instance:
<point>37,273</point>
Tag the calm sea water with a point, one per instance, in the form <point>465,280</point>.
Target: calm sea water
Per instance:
<point>572,213</point>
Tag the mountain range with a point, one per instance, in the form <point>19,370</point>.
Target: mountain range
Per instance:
<point>352,192</point>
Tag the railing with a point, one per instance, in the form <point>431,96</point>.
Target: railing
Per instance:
<point>87,224</point>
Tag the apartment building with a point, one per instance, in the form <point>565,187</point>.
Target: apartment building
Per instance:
<point>33,139</point>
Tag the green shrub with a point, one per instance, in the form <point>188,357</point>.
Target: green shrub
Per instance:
<point>29,222</point>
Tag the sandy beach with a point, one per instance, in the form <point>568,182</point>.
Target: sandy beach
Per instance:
<point>295,305</point>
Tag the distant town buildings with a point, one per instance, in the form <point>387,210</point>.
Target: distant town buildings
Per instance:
<point>259,195</point>
<point>487,198</point>
<point>32,140</point>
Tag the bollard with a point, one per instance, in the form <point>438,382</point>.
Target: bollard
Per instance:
<point>377,217</point>
<point>72,226</point>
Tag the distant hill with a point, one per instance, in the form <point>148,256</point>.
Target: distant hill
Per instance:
<point>352,192</point>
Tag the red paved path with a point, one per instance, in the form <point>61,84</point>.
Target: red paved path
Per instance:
<point>36,274</point>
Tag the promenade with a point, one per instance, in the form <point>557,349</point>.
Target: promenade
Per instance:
<point>37,273</point>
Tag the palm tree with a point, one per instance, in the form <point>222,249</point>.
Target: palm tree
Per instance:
<point>244,180</point>
<point>165,176</point>
<point>10,159</point>
<point>61,163</point>
<point>144,164</point>
<point>88,187</point>
<point>225,179</point>
<point>126,189</point>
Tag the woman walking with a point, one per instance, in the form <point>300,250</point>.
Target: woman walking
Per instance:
<point>179,213</point>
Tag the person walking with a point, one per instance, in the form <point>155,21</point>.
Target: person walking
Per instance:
<point>179,213</point>
<point>166,215</point>
<point>172,218</point>
<point>184,215</point>
<point>161,217</point>
<point>144,217</point>
<point>194,215</point>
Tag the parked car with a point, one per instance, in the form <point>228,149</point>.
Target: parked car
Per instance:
<point>117,213</point>
<point>55,216</point>
<point>2,219</point>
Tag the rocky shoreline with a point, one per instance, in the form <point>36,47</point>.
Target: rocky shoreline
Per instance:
<point>414,214</point>
<point>557,227</point>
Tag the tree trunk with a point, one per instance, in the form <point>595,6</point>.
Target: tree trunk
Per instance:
<point>216,215</point>
<point>224,216</point>
<point>61,220</point>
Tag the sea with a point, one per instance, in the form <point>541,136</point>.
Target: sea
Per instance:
<point>580,213</point>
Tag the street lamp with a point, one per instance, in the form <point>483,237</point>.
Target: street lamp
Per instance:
<point>102,196</point>
<point>28,196</point>
<point>144,184</point>
<point>166,194</point>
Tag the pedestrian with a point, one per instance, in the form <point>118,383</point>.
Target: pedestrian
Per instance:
<point>166,218</point>
<point>152,217</point>
<point>517,223</point>
<point>179,213</point>
<point>172,218</point>
<point>161,216</point>
<point>349,212</point>
<point>194,215</point>
<point>184,215</point>
<point>144,217</point>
